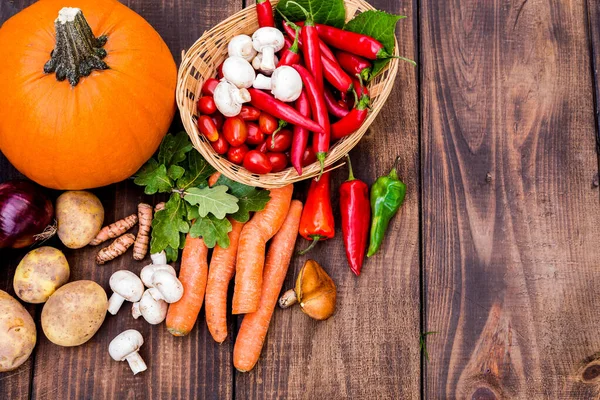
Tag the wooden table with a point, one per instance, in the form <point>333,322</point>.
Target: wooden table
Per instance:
<point>497,247</point>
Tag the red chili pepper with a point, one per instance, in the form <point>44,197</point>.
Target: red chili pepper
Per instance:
<point>319,112</point>
<point>361,89</point>
<point>353,64</point>
<point>309,156</point>
<point>333,106</point>
<point>356,216</point>
<point>290,30</point>
<point>264,13</point>
<point>351,122</point>
<point>300,138</point>
<point>208,128</point>
<point>265,102</point>
<point>334,74</point>
<point>316,222</point>
<point>291,55</point>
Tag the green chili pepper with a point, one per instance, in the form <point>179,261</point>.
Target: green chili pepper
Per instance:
<point>387,195</point>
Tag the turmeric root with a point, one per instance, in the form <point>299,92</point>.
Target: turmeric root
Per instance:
<point>140,248</point>
<point>160,206</point>
<point>214,178</point>
<point>115,229</point>
<point>115,249</point>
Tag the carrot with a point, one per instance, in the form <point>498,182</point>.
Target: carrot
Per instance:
<point>222,268</point>
<point>253,331</point>
<point>193,273</point>
<point>213,178</point>
<point>251,249</point>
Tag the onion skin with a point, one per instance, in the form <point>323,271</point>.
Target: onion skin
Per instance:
<point>25,211</point>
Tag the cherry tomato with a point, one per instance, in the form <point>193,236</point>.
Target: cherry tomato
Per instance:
<point>249,113</point>
<point>218,119</point>
<point>309,156</point>
<point>262,147</point>
<point>267,123</point>
<point>235,131</point>
<point>208,128</point>
<point>236,154</point>
<point>257,162</point>
<point>220,145</point>
<point>280,142</point>
<point>278,160</point>
<point>206,105</point>
<point>255,136</point>
<point>208,89</point>
<point>220,71</point>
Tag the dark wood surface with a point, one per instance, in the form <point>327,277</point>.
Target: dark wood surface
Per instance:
<point>496,248</point>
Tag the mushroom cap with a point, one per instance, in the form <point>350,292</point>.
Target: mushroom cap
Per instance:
<point>149,270</point>
<point>238,71</point>
<point>124,344</point>
<point>168,286</point>
<point>224,99</point>
<point>153,311</point>
<point>286,84</point>
<point>267,37</point>
<point>241,46</point>
<point>127,285</point>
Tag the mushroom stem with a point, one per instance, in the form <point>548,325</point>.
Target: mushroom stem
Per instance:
<point>268,59</point>
<point>241,95</point>
<point>135,310</point>
<point>114,303</point>
<point>159,258</point>
<point>288,299</point>
<point>136,363</point>
<point>156,294</point>
<point>262,82</point>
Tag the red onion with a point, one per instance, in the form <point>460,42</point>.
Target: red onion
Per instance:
<point>25,212</point>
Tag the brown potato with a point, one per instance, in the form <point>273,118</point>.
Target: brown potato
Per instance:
<point>40,273</point>
<point>74,313</point>
<point>17,333</point>
<point>80,216</point>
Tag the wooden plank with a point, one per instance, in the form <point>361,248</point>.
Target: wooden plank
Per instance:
<point>370,347</point>
<point>511,220</point>
<point>594,34</point>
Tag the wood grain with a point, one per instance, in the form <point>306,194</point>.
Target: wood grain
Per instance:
<point>594,34</point>
<point>511,222</point>
<point>370,347</point>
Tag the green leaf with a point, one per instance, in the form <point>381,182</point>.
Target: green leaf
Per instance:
<point>168,224</point>
<point>175,172</point>
<point>212,230</point>
<point>328,12</point>
<point>198,171</point>
<point>154,177</point>
<point>173,149</point>
<point>250,198</point>
<point>172,254</point>
<point>192,211</point>
<point>214,200</point>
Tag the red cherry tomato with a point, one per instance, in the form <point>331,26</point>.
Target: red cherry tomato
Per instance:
<point>255,136</point>
<point>309,156</point>
<point>278,161</point>
<point>236,154</point>
<point>280,142</point>
<point>220,71</point>
<point>249,113</point>
<point>235,131</point>
<point>206,105</point>
<point>220,145</point>
<point>218,119</point>
<point>267,123</point>
<point>257,162</point>
<point>262,147</point>
<point>208,128</point>
<point>208,89</point>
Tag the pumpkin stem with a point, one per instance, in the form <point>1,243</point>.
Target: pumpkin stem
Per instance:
<point>77,52</point>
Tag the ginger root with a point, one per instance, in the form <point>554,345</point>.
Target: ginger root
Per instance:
<point>140,248</point>
<point>115,229</point>
<point>115,249</point>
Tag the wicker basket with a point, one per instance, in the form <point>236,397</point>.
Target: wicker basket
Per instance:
<point>200,62</point>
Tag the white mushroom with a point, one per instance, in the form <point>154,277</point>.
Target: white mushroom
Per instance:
<point>159,258</point>
<point>126,286</point>
<point>125,347</point>
<point>256,64</point>
<point>154,312</point>
<point>241,46</point>
<point>149,270</point>
<point>285,84</point>
<point>239,72</point>
<point>268,41</point>
<point>166,287</point>
<point>229,99</point>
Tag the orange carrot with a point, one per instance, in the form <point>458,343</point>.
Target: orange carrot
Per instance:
<point>253,331</point>
<point>251,249</point>
<point>193,273</point>
<point>213,178</point>
<point>222,268</point>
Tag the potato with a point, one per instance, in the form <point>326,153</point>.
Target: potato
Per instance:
<point>17,333</point>
<point>74,313</point>
<point>80,216</point>
<point>40,273</point>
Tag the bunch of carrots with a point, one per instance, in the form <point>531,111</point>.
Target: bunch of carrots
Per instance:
<point>258,277</point>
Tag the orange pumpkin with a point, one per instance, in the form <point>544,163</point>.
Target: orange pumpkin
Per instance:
<point>104,103</point>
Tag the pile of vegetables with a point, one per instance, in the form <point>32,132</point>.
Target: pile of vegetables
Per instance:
<point>277,87</point>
